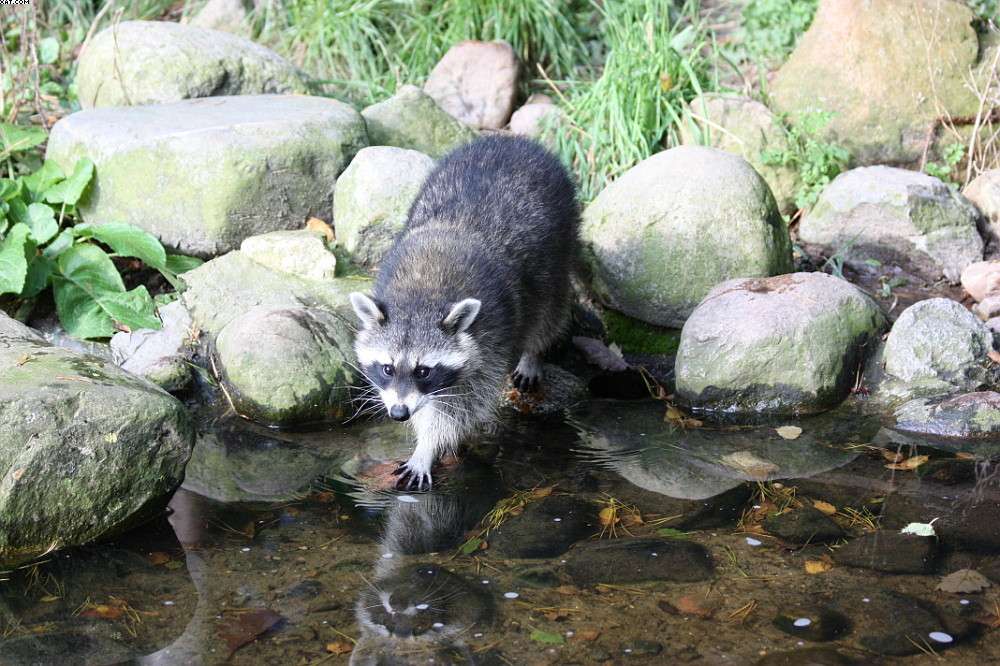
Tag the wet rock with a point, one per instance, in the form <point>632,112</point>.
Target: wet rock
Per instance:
<point>871,59</point>
<point>810,622</point>
<point>559,389</point>
<point>163,357</point>
<point>817,656</point>
<point>689,205</point>
<point>988,308</point>
<point>157,62</point>
<point>281,366</point>
<point>936,346</point>
<point>981,279</point>
<point>804,525</point>
<point>202,176</point>
<point>546,529</point>
<point>638,560</point>
<point>476,82</point>
<point>968,415</point>
<point>889,551</point>
<point>892,623</point>
<point>87,448</point>
<point>785,344</point>
<point>984,191</point>
<point>373,197</point>
<point>746,127</point>
<point>300,252</point>
<point>411,119</point>
<point>895,216</point>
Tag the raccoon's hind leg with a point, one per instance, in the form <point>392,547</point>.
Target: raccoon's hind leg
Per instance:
<point>527,377</point>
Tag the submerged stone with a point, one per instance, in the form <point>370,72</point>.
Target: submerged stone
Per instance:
<point>785,344</point>
<point>889,551</point>
<point>969,415</point>
<point>546,529</point>
<point>638,560</point>
<point>804,525</point>
<point>811,622</point>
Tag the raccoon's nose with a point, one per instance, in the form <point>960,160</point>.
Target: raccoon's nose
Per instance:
<point>399,412</point>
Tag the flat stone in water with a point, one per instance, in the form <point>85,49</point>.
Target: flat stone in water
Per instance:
<point>545,529</point>
<point>892,623</point>
<point>638,560</point>
<point>813,623</point>
<point>889,551</point>
<point>536,577</point>
<point>804,525</point>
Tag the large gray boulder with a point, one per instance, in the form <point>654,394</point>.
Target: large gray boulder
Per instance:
<point>886,69</point>
<point>373,197</point>
<point>895,216</point>
<point>154,62</point>
<point>936,347</point>
<point>786,344</point>
<point>87,448</point>
<point>412,119</point>
<point>746,127</point>
<point>202,175</point>
<point>677,224</point>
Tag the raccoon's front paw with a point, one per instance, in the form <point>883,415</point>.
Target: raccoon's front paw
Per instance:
<point>527,377</point>
<point>413,476</point>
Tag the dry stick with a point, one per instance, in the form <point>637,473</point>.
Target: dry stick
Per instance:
<point>938,121</point>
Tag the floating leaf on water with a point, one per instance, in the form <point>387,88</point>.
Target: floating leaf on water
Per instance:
<point>825,508</point>
<point>789,432</point>
<point>340,647</point>
<point>919,529</point>
<point>540,636</point>
<point>910,463</point>
<point>241,629</point>
<point>963,581</point>
<point>158,557</point>
<point>607,516</point>
<point>817,566</point>
<point>471,546</point>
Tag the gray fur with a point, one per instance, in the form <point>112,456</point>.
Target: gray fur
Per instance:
<point>476,286</point>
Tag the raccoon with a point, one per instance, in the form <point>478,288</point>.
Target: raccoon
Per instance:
<point>476,286</point>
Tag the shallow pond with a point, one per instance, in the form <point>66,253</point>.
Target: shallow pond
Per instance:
<point>605,535</point>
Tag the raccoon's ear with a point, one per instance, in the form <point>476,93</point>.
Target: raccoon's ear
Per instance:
<point>461,316</point>
<point>370,313</point>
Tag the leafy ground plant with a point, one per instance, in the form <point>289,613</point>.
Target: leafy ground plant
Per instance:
<point>39,248</point>
<point>818,161</point>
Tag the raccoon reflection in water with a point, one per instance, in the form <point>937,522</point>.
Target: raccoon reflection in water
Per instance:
<point>476,286</point>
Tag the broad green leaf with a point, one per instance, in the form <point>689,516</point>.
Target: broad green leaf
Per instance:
<point>547,637</point>
<point>42,220</point>
<point>15,250</point>
<point>129,241</point>
<point>48,175</point>
<point>79,313</point>
<point>132,309</point>
<point>18,212</point>
<point>89,267</point>
<point>70,190</point>
<point>178,263</point>
<point>40,269</point>
<point>9,189</point>
<point>21,137</point>
<point>62,242</point>
<point>48,50</point>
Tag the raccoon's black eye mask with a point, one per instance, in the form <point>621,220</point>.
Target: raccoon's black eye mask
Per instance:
<point>428,379</point>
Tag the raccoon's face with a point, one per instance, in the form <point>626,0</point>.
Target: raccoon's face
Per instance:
<point>412,361</point>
